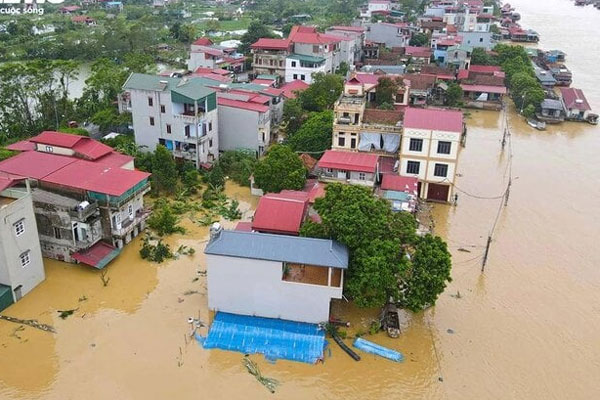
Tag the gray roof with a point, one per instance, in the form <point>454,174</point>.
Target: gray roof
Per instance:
<point>552,104</point>
<point>545,77</point>
<point>388,69</point>
<point>193,88</point>
<point>263,246</point>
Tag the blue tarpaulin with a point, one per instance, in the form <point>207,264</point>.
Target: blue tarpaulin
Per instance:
<point>378,350</point>
<point>275,338</point>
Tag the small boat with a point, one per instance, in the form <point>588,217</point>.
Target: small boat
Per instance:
<point>539,125</point>
<point>390,320</point>
<point>373,348</point>
<point>592,119</point>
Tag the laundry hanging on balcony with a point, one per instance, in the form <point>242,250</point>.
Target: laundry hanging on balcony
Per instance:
<point>369,140</point>
<point>391,142</point>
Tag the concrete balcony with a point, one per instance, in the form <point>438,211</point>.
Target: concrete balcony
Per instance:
<point>130,223</point>
<point>188,118</point>
<point>85,213</point>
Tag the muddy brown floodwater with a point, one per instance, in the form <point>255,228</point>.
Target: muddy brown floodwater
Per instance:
<point>528,328</point>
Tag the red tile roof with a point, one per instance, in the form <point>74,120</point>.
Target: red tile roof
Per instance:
<point>95,177</point>
<point>33,164</point>
<point>98,255</point>
<point>309,35</point>
<point>276,44</point>
<point>272,91</point>
<point>114,159</point>
<point>294,86</point>
<point>265,82</point>
<point>218,71</point>
<point>574,98</point>
<point>23,145</point>
<point>242,105</point>
<point>483,88</point>
<point>281,213</point>
<point>85,146</point>
<point>315,190</point>
<point>7,180</point>
<point>203,42</point>
<point>433,119</point>
<point>414,51</point>
<point>351,161</point>
<point>244,226</point>
<point>349,28</point>
<point>399,183</point>
<point>485,69</point>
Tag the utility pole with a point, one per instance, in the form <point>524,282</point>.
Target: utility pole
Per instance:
<point>487,250</point>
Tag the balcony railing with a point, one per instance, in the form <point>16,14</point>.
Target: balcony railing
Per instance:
<point>128,225</point>
<point>83,214</point>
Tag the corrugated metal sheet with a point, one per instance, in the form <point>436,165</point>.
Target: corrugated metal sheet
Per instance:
<point>263,246</point>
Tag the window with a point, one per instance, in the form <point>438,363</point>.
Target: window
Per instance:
<point>25,259</point>
<point>293,63</point>
<point>361,176</point>
<point>210,143</point>
<point>49,149</point>
<point>295,76</point>
<point>210,126</point>
<point>162,109</point>
<point>416,144</point>
<point>341,141</point>
<point>413,167</point>
<point>57,233</point>
<point>302,77</point>
<point>151,121</point>
<point>19,227</point>
<point>315,49</point>
<point>130,210</point>
<point>441,170</point>
<point>444,147</point>
<point>168,128</point>
<point>480,40</point>
<point>150,101</point>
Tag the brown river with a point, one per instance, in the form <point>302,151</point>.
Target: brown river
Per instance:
<point>526,328</point>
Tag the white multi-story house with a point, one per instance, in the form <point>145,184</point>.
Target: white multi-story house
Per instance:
<point>205,54</point>
<point>353,40</point>
<point>301,67</point>
<point>275,276</point>
<point>21,265</point>
<point>430,149</point>
<point>307,41</point>
<point>245,124</point>
<point>179,113</point>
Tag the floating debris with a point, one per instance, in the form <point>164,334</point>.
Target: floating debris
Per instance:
<point>29,322</point>
<point>190,292</point>
<point>66,313</point>
<point>450,331</point>
<point>252,368</point>
<point>464,250</point>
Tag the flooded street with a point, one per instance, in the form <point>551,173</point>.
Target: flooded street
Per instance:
<point>527,328</point>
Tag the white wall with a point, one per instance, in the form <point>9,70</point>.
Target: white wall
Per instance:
<point>255,287</point>
<point>300,71</point>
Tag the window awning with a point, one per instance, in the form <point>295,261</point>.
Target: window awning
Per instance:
<point>97,256</point>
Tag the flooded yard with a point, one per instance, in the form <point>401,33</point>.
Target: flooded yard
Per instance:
<point>527,328</point>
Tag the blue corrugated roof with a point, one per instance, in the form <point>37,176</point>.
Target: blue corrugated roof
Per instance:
<point>263,246</point>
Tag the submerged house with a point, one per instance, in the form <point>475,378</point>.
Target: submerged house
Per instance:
<point>551,111</point>
<point>87,198</point>
<point>348,167</point>
<point>576,106</point>
<point>274,276</point>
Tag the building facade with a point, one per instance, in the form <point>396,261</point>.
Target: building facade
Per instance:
<point>21,264</point>
<point>430,149</point>
<point>274,276</point>
<point>301,67</point>
<point>179,113</point>
<point>244,125</point>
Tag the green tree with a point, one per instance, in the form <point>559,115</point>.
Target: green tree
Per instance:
<point>215,177</point>
<point>280,169</point>
<point>256,30</point>
<point>238,165</point>
<point>526,91</point>
<point>293,116</point>
<point>419,40</point>
<point>454,94</point>
<point>164,170</point>
<point>479,56</point>
<point>373,276</point>
<point>343,69</point>
<point>322,93</point>
<point>163,220</point>
<point>314,136</point>
<point>386,91</point>
<point>427,274</point>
